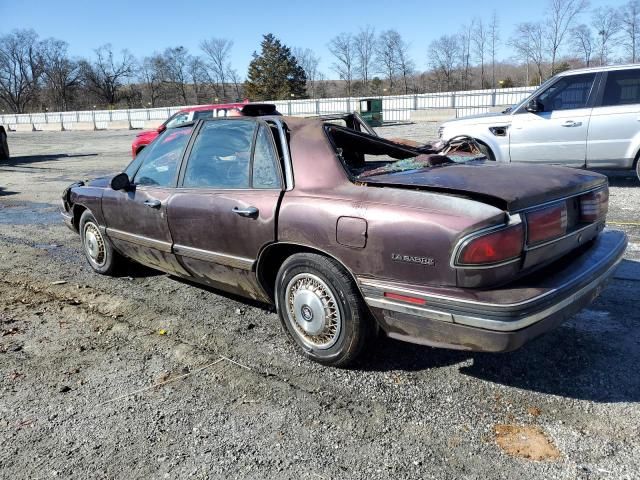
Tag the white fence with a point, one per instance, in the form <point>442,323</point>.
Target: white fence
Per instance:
<point>394,108</point>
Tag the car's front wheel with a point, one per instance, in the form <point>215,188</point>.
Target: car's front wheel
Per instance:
<point>321,309</point>
<point>638,169</point>
<point>97,248</point>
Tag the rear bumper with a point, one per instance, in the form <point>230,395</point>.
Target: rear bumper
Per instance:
<point>502,319</point>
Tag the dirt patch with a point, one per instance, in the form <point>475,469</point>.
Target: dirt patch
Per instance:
<point>526,441</point>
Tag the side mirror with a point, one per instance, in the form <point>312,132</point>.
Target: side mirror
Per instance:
<point>161,128</point>
<point>535,106</point>
<point>121,182</point>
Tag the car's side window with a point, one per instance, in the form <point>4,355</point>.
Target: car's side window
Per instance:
<point>161,159</point>
<point>221,155</point>
<point>568,93</point>
<point>202,114</point>
<point>265,158</point>
<point>622,88</point>
<point>178,119</point>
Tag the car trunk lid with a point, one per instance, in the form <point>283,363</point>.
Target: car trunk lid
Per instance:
<point>511,187</point>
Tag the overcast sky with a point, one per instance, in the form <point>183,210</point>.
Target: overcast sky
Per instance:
<point>143,27</point>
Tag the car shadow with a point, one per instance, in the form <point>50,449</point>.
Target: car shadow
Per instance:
<point>137,270</point>
<point>21,160</point>
<point>624,179</point>
<point>593,356</point>
<point>4,192</point>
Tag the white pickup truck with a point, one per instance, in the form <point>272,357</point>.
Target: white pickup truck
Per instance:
<point>587,118</point>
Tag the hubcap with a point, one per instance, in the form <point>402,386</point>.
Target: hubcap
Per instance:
<point>94,244</point>
<point>313,312</point>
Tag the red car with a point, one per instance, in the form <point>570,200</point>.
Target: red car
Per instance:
<point>189,114</point>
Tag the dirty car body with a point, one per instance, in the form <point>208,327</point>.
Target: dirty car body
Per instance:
<point>347,233</point>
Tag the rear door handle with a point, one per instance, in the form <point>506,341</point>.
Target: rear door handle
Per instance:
<point>153,203</point>
<point>245,212</point>
<point>571,123</point>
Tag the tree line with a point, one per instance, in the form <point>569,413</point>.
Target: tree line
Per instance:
<point>40,74</point>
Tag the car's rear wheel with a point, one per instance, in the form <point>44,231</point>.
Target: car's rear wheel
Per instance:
<point>97,248</point>
<point>4,146</point>
<point>321,309</point>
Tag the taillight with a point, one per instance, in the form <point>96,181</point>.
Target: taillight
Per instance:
<point>594,205</point>
<point>494,247</point>
<point>547,223</point>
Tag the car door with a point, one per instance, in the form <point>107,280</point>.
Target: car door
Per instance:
<point>136,219</point>
<point>615,122</point>
<point>224,211</point>
<point>558,133</point>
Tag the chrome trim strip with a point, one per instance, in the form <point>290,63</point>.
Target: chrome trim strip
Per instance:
<point>139,240</point>
<point>491,324</point>
<point>377,288</point>
<point>528,320</point>
<point>288,168</point>
<point>214,257</point>
<point>387,304</point>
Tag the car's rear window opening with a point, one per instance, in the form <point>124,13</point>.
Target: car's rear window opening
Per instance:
<point>364,155</point>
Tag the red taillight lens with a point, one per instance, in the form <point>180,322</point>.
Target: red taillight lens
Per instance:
<point>547,223</point>
<point>594,205</point>
<point>494,247</point>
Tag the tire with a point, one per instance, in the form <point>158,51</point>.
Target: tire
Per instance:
<point>97,248</point>
<point>638,169</point>
<point>4,146</point>
<point>307,284</point>
<point>486,151</point>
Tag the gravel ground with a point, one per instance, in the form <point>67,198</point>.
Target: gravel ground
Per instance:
<point>145,376</point>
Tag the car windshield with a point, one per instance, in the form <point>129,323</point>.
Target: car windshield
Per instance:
<point>526,99</point>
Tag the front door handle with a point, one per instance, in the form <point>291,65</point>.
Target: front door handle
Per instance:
<point>571,123</point>
<point>153,203</point>
<point>245,212</point>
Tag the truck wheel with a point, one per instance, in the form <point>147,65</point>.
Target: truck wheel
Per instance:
<point>321,309</point>
<point>100,254</point>
<point>4,146</point>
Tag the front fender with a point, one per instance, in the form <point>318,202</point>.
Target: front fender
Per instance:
<point>498,145</point>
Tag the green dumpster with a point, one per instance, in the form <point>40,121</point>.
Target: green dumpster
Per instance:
<point>371,111</point>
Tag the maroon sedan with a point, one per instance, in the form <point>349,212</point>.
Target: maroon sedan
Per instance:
<point>348,234</point>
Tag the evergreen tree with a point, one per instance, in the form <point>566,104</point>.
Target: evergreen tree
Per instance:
<point>275,74</point>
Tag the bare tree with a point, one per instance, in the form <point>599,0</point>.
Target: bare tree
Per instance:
<point>606,22</point>
<point>480,40</point>
<point>494,41</point>
<point>105,77</point>
<point>562,15</point>
<point>237,82</point>
<point>343,49</point>
<point>150,73</point>
<point>443,58</point>
<point>528,40</point>
<point>387,55</point>
<point>309,63</point>
<point>365,45</point>
<point>20,69</point>
<point>465,54</point>
<point>630,23</point>
<point>218,53</point>
<point>583,43</point>
<point>61,74</point>
<point>405,64</point>
<point>176,71</point>
<point>197,75</point>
